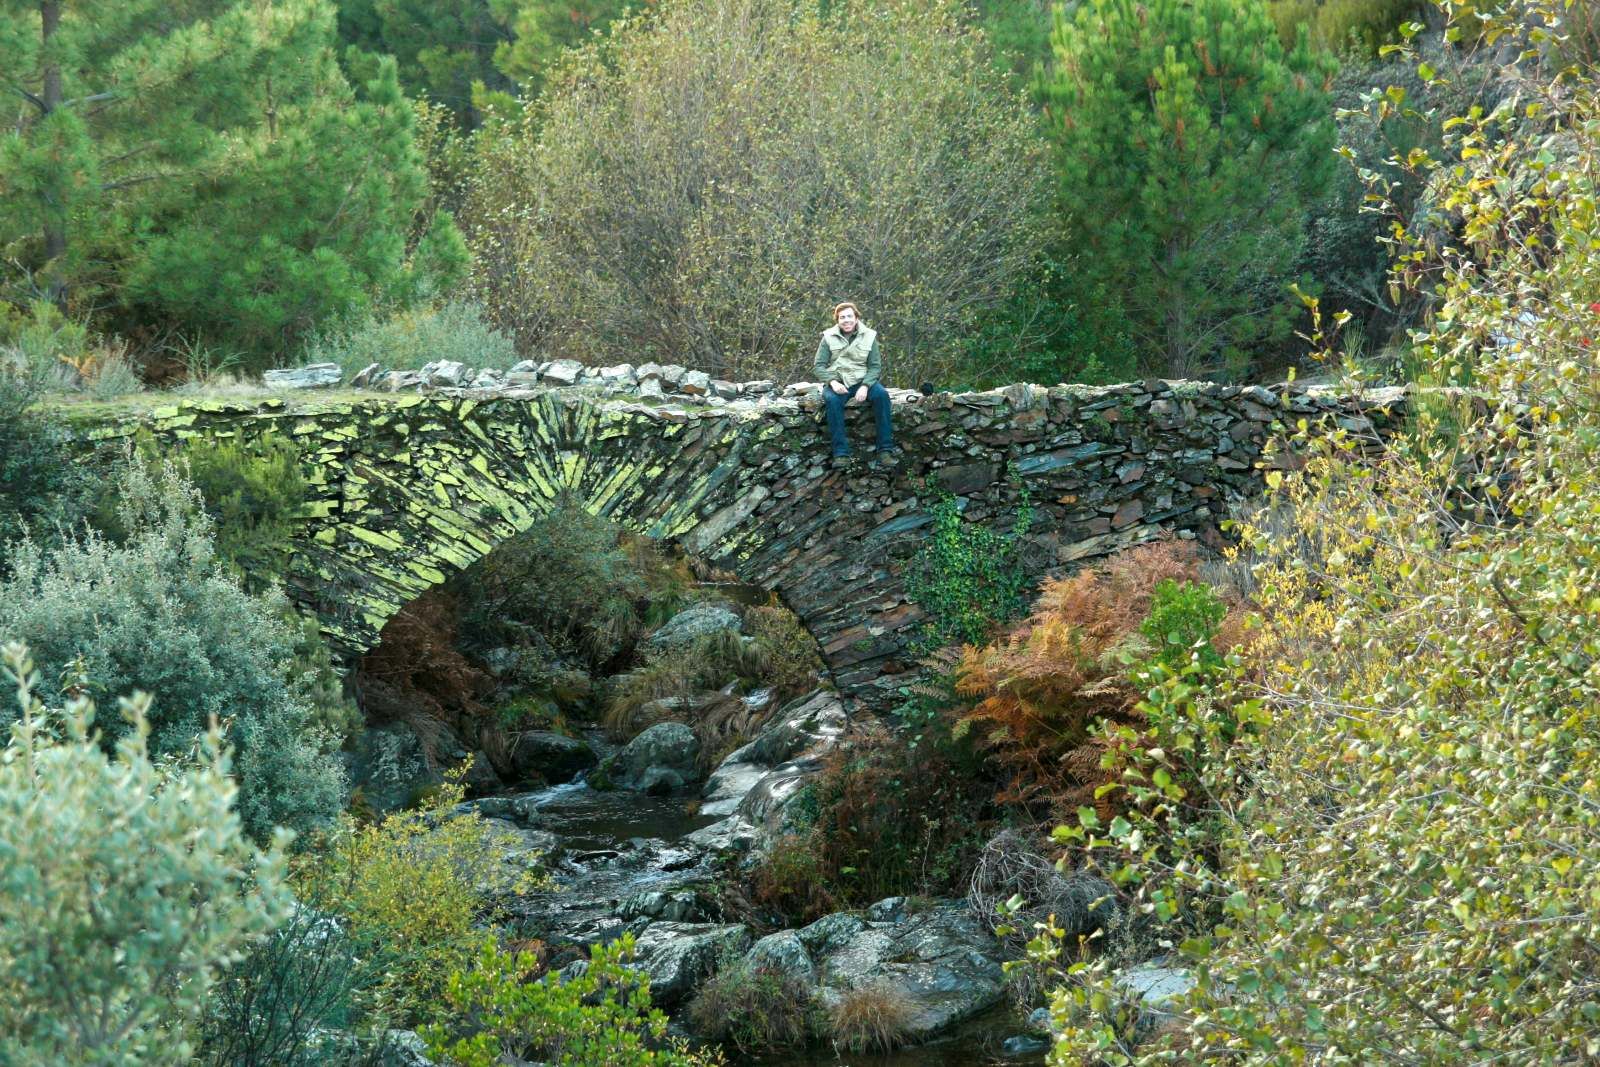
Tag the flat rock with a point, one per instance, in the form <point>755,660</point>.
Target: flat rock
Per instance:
<point>311,376</point>
<point>693,623</point>
<point>562,372</point>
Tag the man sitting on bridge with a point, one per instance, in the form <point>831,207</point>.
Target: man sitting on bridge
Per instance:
<point>848,363</point>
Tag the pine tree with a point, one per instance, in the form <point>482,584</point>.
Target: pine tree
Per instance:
<point>214,137</point>
<point>1190,145</point>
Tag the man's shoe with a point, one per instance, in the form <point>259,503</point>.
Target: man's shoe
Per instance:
<point>888,450</point>
<point>843,453</point>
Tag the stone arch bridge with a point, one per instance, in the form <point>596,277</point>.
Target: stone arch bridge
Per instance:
<point>409,488</point>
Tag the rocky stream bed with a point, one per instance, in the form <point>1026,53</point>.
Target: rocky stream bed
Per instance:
<point>634,859</point>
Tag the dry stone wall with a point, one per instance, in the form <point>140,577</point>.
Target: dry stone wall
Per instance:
<point>413,484</point>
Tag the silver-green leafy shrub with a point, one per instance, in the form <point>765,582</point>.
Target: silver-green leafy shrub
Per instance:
<point>405,340</point>
<point>126,883</point>
<point>156,614</point>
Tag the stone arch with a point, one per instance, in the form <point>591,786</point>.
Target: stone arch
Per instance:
<point>410,489</point>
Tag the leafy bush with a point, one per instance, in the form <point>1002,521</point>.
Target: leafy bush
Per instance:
<point>628,219</point>
<point>412,888</point>
<point>1184,620</point>
<point>128,885</point>
<point>601,1017</point>
<point>1396,862</point>
<point>155,614</point>
<point>43,488</point>
<point>968,578</point>
<point>406,339</point>
<point>792,662</point>
<point>756,1009</point>
<point>592,612</point>
<point>709,662</point>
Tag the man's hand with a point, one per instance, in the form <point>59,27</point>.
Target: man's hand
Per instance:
<point>838,387</point>
<point>861,394</point>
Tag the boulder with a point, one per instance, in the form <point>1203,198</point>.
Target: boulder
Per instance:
<point>671,375</point>
<point>678,956</point>
<point>388,765</point>
<point>682,905</point>
<point>648,372</point>
<point>365,376</point>
<point>1157,987</point>
<point>563,372</point>
<point>695,383</point>
<point>692,623</point>
<point>785,953</point>
<point>487,379</point>
<point>724,389</point>
<point>661,759</point>
<point>397,380</point>
<point>553,757</point>
<point>942,962</point>
<point>525,372</point>
<point>444,373</point>
<point>650,389</point>
<point>311,376</point>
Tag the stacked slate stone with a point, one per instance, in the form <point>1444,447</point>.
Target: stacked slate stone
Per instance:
<point>409,488</point>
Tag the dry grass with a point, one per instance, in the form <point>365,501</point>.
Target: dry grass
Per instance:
<point>872,1020</point>
<point>758,1009</point>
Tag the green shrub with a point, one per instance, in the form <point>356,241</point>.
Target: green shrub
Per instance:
<point>592,610</point>
<point>155,614</point>
<point>792,662</point>
<point>1346,27</point>
<point>709,662</point>
<point>756,1009</point>
<point>127,886</point>
<point>413,889</point>
<point>276,1006</point>
<point>494,1012</point>
<point>405,340</point>
<point>1184,618</point>
<point>43,488</point>
<point>968,578</point>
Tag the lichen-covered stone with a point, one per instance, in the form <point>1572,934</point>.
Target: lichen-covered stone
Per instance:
<point>410,487</point>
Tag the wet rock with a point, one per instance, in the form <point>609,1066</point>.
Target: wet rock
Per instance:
<point>678,956</point>
<point>943,962</point>
<point>692,623</point>
<point>789,750</point>
<point>651,760</point>
<point>311,376</point>
<point>888,910</point>
<point>1024,1045</point>
<point>785,953</point>
<point>1157,987</point>
<point>553,757</point>
<point>683,905</point>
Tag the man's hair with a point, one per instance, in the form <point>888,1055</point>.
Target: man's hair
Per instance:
<point>841,305</point>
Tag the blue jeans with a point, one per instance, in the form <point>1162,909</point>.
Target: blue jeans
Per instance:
<point>877,398</point>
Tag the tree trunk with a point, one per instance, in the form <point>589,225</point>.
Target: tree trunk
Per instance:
<point>55,218</point>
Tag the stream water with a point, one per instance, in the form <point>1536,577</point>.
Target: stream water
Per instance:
<point>615,844</point>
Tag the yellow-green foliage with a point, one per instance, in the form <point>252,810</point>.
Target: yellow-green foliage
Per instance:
<point>1343,26</point>
<point>412,887</point>
<point>125,886</point>
<point>502,1012</point>
<point>1399,862</point>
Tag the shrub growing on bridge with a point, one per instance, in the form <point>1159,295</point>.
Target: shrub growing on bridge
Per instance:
<point>705,184</point>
